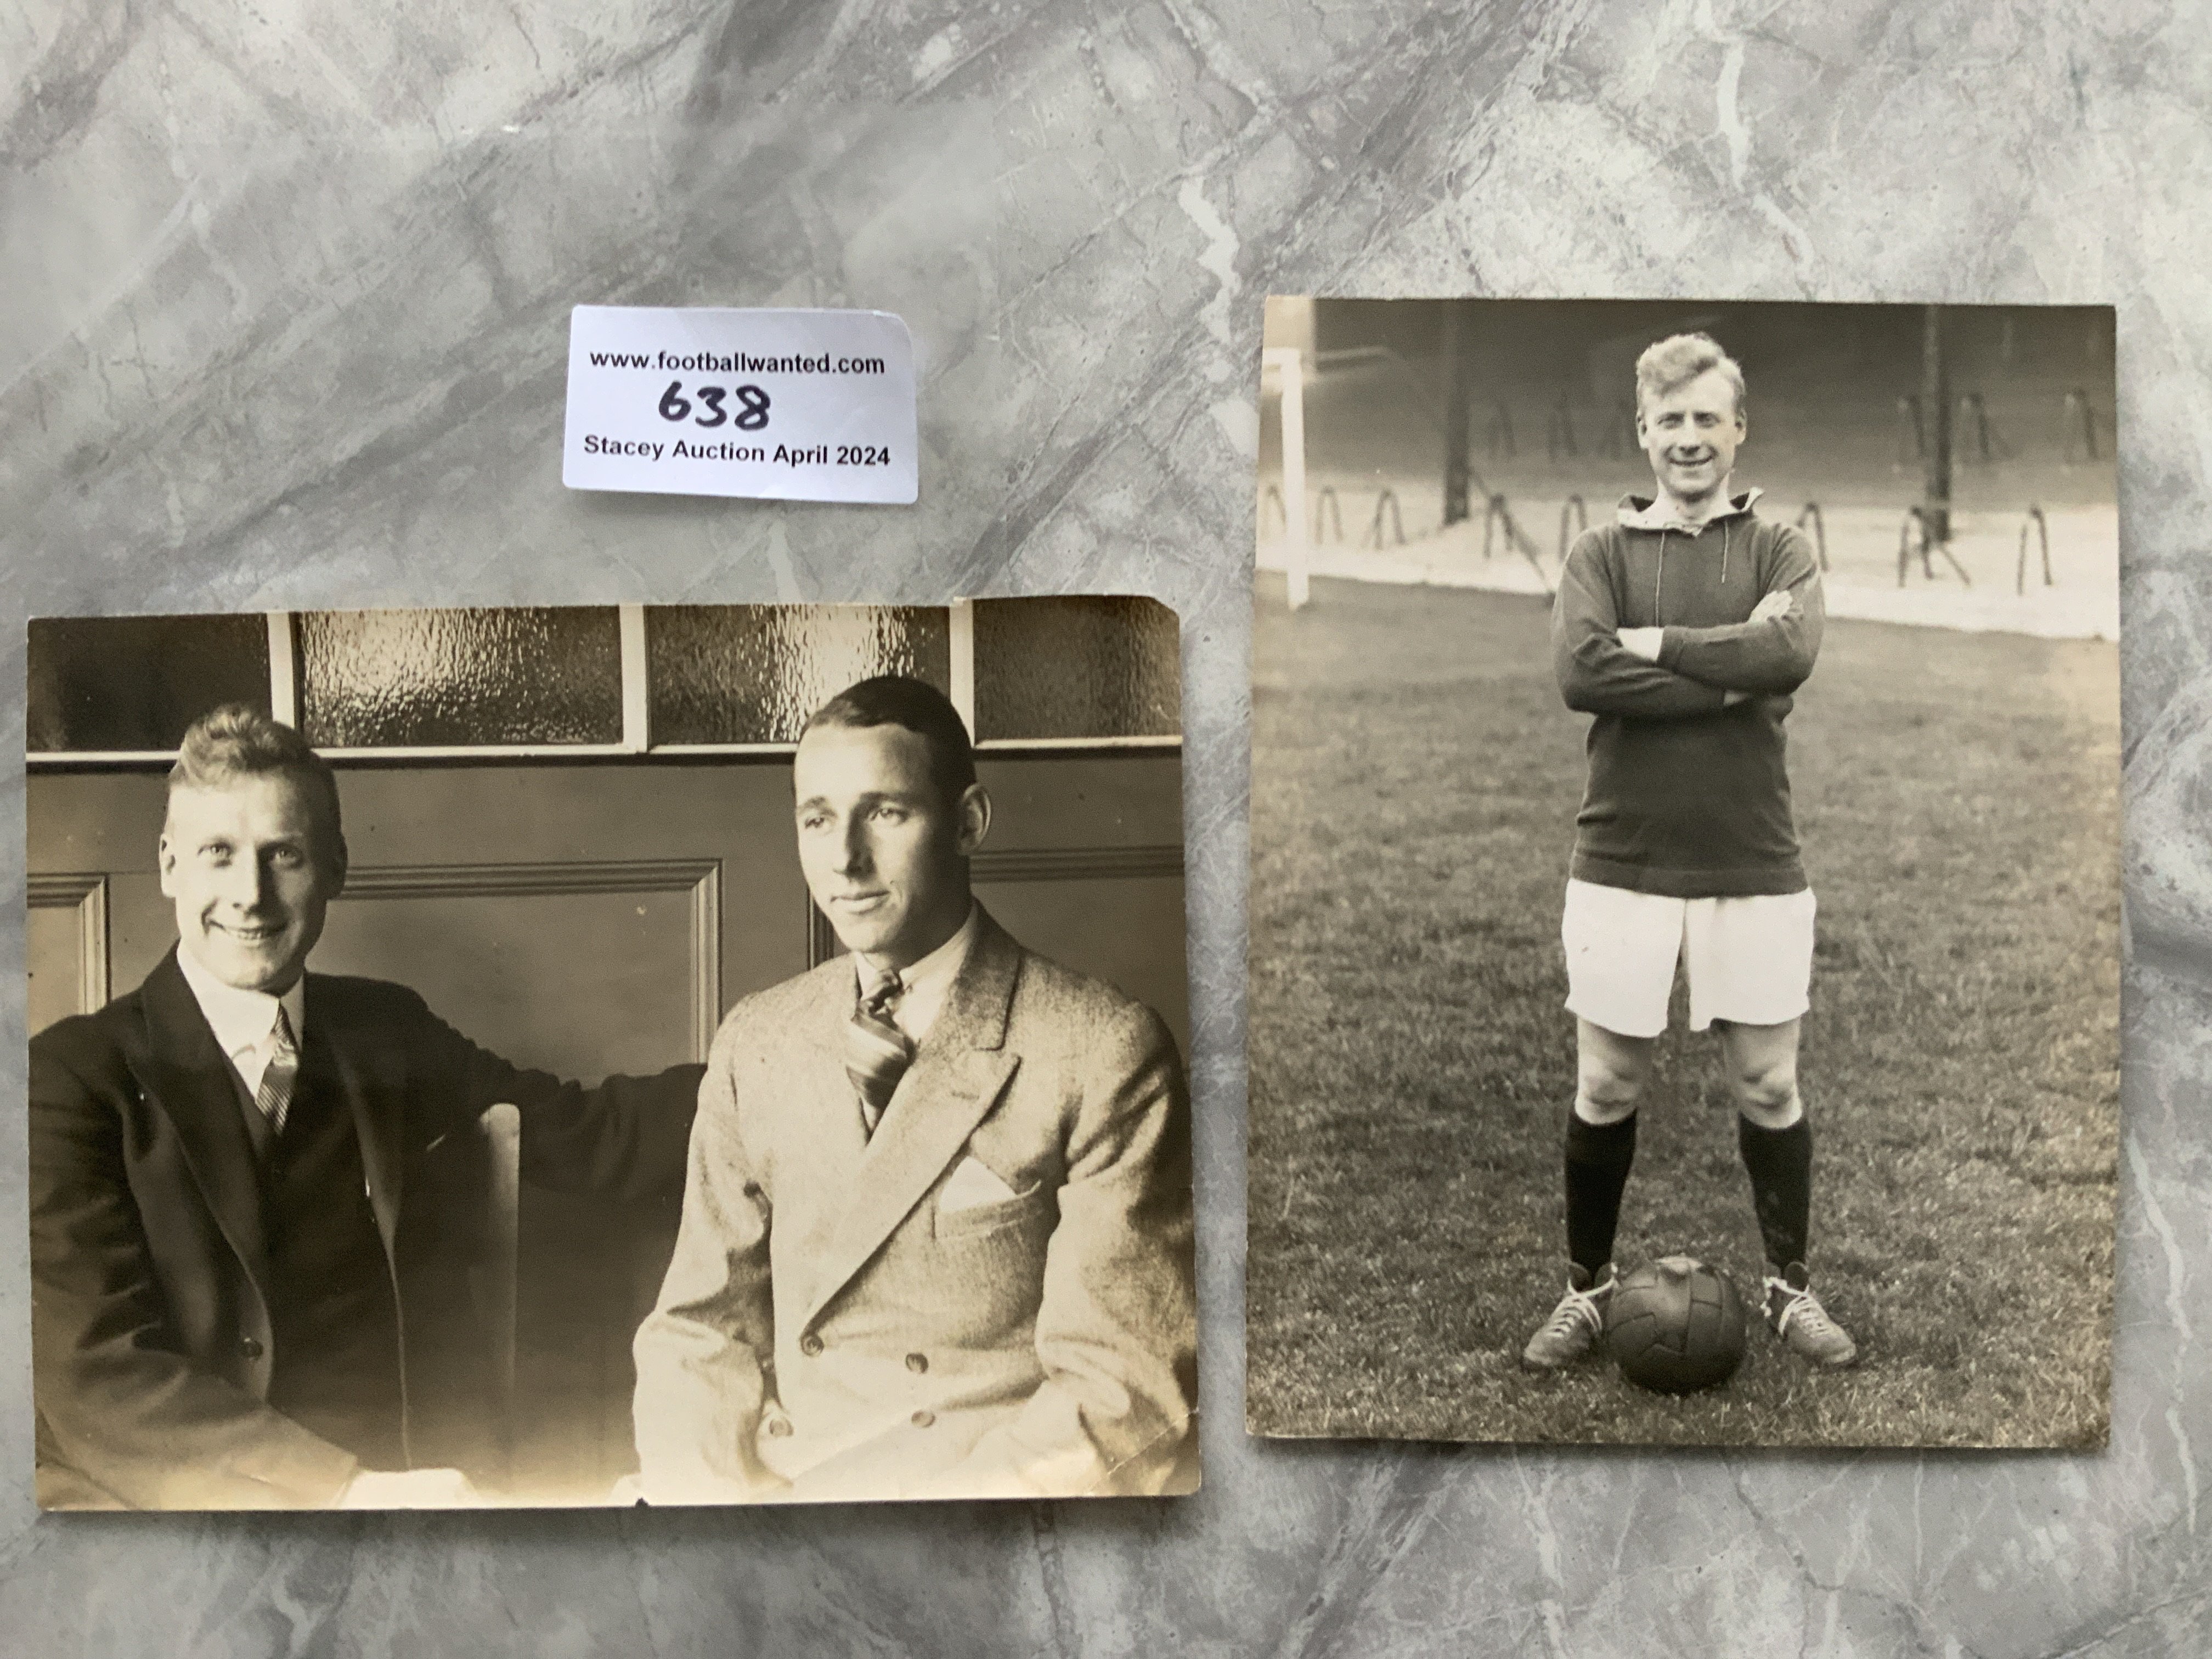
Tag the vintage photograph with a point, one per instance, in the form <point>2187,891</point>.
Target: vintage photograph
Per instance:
<point>1684,905</point>
<point>710,1053</point>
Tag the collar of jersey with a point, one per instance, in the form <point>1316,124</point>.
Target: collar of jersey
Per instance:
<point>1645,513</point>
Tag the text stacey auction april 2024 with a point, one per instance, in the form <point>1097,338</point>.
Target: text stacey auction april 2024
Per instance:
<point>724,450</point>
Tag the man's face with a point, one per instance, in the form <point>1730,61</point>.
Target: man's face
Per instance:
<point>885,854</point>
<point>1691,436</point>
<point>245,864</point>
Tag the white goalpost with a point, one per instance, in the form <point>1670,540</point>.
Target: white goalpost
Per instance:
<point>1289,364</point>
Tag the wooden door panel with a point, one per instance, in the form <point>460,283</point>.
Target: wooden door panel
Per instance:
<point>580,982</point>
<point>1084,864</point>
<point>1085,800</point>
<point>54,956</point>
<point>1110,927</point>
<point>65,946</point>
<point>142,924</point>
<point>735,814</point>
<point>94,821</point>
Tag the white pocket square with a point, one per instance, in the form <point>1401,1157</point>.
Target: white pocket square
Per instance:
<point>971,1187</point>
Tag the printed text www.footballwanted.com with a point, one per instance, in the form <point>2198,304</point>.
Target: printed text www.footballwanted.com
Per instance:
<point>713,363</point>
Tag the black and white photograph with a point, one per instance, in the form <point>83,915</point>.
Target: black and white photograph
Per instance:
<point>609,1055</point>
<point>1685,903</point>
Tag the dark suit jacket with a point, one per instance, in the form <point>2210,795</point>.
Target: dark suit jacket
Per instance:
<point>150,1326</point>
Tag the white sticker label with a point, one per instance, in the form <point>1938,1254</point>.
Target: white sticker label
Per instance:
<point>792,405</point>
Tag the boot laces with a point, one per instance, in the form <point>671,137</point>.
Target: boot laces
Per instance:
<point>1799,1307</point>
<point>1576,1308</point>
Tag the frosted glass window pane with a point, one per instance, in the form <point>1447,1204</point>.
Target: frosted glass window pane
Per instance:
<point>752,673</point>
<point>1091,667</point>
<point>452,679</point>
<point>102,682</point>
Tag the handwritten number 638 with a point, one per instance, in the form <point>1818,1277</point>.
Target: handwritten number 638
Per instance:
<point>750,415</point>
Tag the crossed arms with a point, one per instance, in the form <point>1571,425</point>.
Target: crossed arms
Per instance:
<point>1677,673</point>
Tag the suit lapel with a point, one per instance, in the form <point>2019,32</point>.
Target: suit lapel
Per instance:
<point>377,1113</point>
<point>185,1071</point>
<point>955,1080</point>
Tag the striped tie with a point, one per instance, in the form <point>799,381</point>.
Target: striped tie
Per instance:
<point>877,1053</point>
<point>274,1097</point>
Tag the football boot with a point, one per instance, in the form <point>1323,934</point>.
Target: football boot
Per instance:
<point>1576,1324</point>
<point>1802,1324</point>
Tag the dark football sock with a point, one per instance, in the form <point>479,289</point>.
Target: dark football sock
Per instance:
<point>1780,1164</point>
<point>1598,1157</point>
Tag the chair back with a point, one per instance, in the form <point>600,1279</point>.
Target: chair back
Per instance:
<point>493,1277</point>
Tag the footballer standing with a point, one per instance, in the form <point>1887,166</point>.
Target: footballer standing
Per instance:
<point>1683,628</point>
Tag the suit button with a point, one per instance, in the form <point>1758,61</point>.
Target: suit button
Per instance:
<point>250,1347</point>
<point>923,1420</point>
<point>917,1363</point>
<point>779,1428</point>
<point>810,1345</point>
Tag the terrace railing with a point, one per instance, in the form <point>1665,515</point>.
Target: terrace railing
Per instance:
<point>1327,511</point>
<point>1812,515</point>
<point>2041,526</point>
<point>1571,510</point>
<point>1914,536</point>
<point>1559,434</point>
<point>1385,499</point>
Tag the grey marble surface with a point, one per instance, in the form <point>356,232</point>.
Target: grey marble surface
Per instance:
<point>285,298</point>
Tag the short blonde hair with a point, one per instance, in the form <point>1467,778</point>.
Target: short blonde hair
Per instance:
<point>235,741</point>
<point>1678,359</point>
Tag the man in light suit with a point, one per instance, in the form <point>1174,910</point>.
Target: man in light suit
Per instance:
<point>937,1231</point>
<point>255,1190</point>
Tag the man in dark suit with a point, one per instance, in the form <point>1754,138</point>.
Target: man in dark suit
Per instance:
<point>254,1190</point>
<point>937,1233</point>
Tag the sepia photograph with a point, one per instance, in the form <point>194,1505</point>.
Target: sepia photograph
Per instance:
<point>1685,902</point>
<point>615,1054</point>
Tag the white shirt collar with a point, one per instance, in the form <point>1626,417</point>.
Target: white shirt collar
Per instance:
<point>1638,514</point>
<point>927,983</point>
<point>243,1020</point>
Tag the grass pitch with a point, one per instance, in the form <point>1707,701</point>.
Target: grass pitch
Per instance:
<point>1415,778</point>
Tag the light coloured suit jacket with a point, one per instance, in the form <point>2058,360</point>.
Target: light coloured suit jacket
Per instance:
<point>841,1320</point>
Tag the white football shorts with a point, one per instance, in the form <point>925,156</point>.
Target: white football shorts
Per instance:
<point>1749,959</point>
